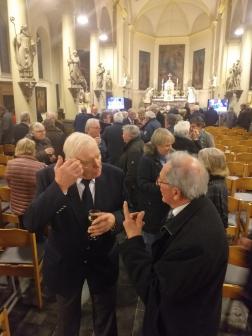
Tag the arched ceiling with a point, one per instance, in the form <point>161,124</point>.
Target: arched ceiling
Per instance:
<point>162,18</point>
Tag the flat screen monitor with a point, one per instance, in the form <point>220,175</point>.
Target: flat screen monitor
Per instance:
<point>115,103</point>
<point>219,105</point>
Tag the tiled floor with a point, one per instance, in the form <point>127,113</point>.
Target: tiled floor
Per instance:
<point>26,320</point>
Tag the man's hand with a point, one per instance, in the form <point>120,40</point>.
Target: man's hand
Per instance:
<point>133,222</point>
<point>104,222</point>
<point>66,173</point>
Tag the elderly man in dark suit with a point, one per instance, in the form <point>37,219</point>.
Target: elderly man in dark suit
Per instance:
<point>76,252</point>
<point>181,286</point>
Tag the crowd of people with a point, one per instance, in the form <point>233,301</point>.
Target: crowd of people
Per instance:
<point>157,175</point>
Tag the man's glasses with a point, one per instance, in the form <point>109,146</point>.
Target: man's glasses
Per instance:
<point>90,163</point>
<point>159,182</point>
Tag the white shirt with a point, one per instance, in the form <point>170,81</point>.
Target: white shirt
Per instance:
<point>177,210</point>
<point>81,187</point>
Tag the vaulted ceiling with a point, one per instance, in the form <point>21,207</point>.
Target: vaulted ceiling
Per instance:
<point>162,18</point>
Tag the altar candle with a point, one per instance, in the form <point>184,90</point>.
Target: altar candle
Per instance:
<point>177,82</point>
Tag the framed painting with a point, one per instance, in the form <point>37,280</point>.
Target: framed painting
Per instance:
<point>41,99</point>
<point>171,61</point>
<point>144,70</point>
<point>250,76</point>
<point>198,69</point>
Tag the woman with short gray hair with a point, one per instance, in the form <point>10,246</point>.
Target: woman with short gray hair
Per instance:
<point>215,162</point>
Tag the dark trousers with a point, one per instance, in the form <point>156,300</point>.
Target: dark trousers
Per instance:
<point>104,313</point>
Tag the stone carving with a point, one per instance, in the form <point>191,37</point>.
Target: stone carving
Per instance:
<point>233,81</point>
<point>25,50</point>
<point>76,76</point>
<point>100,76</point>
<point>108,83</point>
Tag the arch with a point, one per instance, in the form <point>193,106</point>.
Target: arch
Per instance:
<point>202,22</point>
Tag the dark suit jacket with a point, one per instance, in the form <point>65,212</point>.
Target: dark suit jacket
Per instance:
<point>69,255</point>
<point>112,136</point>
<point>181,286</point>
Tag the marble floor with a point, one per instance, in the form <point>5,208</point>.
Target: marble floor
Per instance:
<point>27,320</point>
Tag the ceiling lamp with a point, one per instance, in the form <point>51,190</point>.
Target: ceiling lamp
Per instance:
<point>239,31</point>
<point>82,19</point>
<point>103,37</point>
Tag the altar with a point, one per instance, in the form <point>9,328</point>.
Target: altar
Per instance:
<point>178,102</point>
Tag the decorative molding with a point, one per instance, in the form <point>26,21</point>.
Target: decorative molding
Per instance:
<point>27,88</point>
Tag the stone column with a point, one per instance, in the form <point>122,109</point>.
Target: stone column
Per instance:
<point>94,61</point>
<point>68,46</point>
<point>17,10</point>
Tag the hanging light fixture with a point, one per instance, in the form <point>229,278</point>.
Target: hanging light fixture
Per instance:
<point>82,19</point>
<point>103,36</point>
<point>239,31</point>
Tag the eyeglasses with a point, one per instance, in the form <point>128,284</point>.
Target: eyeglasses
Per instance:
<point>90,163</point>
<point>159,182</point>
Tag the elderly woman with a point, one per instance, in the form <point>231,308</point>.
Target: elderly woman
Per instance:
<point>215,163</point>
<point>156,153</point>
<point>21,176</point>
<point>44,150</point>
<point>184,140</point>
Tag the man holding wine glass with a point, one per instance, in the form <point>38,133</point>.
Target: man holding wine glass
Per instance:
<point>77,251</point>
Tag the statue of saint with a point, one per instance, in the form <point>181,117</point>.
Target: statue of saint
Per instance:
<point>100,76</point>
<point>76,75</point>
<point>191,95</point>
<point>233,81</point>
<point>148,95</point>
<point>108,83</point>
<point>25,50</point>
<point>169,89</point>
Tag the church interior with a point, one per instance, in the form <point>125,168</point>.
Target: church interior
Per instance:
<point>69,56</point>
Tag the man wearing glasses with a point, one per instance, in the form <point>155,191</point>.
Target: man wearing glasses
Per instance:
<point>181,284</point>
<point>75,251</point>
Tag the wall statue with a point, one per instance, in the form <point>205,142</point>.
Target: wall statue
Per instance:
<point>100,76</point>
<point>76,76</point>
<point>108,82</point>
<point>25,50</point>
<point>233,81</point>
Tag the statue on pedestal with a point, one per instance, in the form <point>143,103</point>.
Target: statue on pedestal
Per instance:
<point>169,89</point>
<point>233,81</point>
<point>100,76</point>
<point>76,76</point>
<point>108,82</point>
<point>25,50</point>
<point>148,95</point>
<point>191,95</point>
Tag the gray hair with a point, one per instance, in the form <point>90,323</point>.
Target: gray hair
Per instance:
<point>214,160</point>
<point>37,126</point>
<point>25,117</point>
<point>150,114</point>
<point>118,117</point>
<point>75,143</point>
<point>187,174</point>
<point>51,115</point>
<point>182,128</point>
<point>90,122</point>
<point>133,130</point>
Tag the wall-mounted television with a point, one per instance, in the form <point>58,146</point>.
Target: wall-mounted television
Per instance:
<point>219,105</point>
<point>115,103</point>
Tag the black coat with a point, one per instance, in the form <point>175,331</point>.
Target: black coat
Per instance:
<point>150,199</point>
<point>69,256</point>
<point>185,144</point>
<point>129,162</point>
<point>149,128</point>
<point>112,136</point>
<point>181,284</point>
<point>20,131</point>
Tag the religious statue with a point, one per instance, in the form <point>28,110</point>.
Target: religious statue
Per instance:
<point>108,82</point>
<point>25,50</point>
<point>148,95</point>
<point>168,89</point>
<point>233,81</point>
<point>191,95</point>
<point>76,76</point>
<point>100,76</point>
